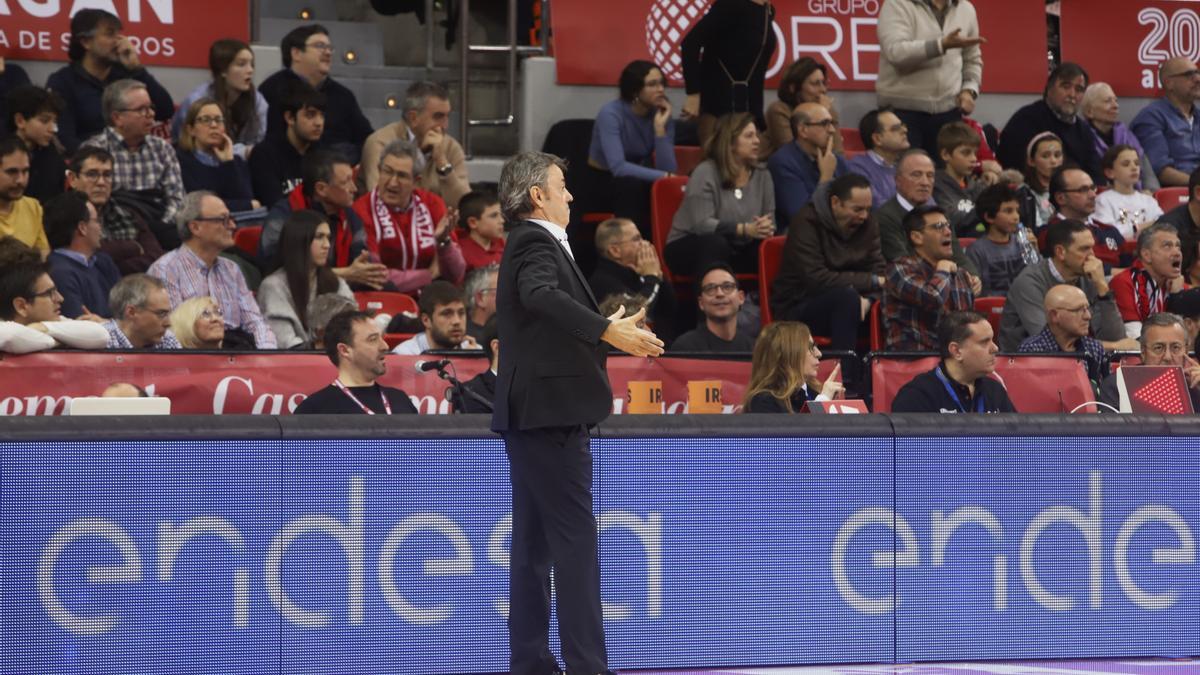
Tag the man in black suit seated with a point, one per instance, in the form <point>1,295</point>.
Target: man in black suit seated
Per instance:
<point>552,386</point>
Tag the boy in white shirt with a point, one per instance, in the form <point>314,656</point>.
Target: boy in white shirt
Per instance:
<point>1123,206</point>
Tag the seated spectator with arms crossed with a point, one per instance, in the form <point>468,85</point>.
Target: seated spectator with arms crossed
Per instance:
<point>783,371</point>
<point>196,268</point>
<point>720,300</point>
<point>29,307</point>
<point>356,347</point>
<point>959,383</point>
<point>1068,315</point>
<point>1157,274</point>
<point>141,315</point>
<point>1163,342</point>
<point>125,236</point>
<point>923,288</point>
<point>444,316</point>
<point>286,295</point>
<point>82,272</point>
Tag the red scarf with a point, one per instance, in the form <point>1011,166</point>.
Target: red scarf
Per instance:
<point>342,237</point>
<point>403,238</point>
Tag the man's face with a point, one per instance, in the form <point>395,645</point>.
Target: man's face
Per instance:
<point>489,224</point>
<point>147,324</point>
<point>44,302</point>
<point>853,212</point>
<point>819,127</point>
<point>316,57</point>
<point>1078,200</point>
<point>485,298</point>
<point>553,199</point>
<point>396,181</point>
<point>934,242</point>
<point>39,129</point>
<point>367,350</point>
<point>214,228</point>
<point>14,176</point>
<point>914,179</point>
<point>340,190</point>
<point>893,134</point>
<point>1181,79</point>
<point>1064,96</point>
<point>134,119</point>
<point>1164,346</point>
<point>1164,256</point>
<point>978,351</point>
<point>95,179</point>
<point>1072,314</point>
<point>720,298</point>
<point>1074,257</point>
<point>103,43</point>
<point>435,115</point>
<point>93,232</point>
<point>448,325</point>
<point>624,250</point>
<point>308,124</point>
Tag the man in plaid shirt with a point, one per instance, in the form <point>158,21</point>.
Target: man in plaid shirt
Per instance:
<point>1068,321</point>
<point>920,289</point>
<point>140,161</point>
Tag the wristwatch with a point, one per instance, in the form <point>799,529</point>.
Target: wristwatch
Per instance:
<point>445,169</point>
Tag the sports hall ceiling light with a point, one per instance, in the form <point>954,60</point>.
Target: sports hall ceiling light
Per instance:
<point>350,57</point>
<point>305,13</point>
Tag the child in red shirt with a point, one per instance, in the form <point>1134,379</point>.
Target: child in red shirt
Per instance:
<point>482,236</point>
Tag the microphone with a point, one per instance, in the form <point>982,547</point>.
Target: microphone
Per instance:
<point>426,366</point>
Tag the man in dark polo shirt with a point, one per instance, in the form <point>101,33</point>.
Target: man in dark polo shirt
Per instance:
<point>355,345</point>
<point>720,300</point>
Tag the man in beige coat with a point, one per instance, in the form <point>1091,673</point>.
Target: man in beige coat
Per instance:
<point>442,164</point>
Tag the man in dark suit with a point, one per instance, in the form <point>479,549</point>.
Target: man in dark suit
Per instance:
<point>552,386</point>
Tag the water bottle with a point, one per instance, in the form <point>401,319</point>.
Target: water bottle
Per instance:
<point>1029,252</point>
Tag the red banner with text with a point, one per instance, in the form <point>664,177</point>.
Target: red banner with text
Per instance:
<point>1122,42</point>
<point>274,384</point>
<point>167,32</point>
<point>592,42</point>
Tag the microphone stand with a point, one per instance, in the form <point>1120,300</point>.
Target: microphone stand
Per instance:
<point>461,391</point>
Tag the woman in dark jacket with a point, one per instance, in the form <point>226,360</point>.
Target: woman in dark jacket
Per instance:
<point>207,160</point>
<point>783,371</point>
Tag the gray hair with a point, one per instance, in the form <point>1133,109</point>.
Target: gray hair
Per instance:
<point>189,211</point>
<point>1160,320</point>
<point>520,174</point>
<point>607,232</point>
<point>419,92</point>
<point>1092,96</point>
<point>400,148</point>
<point>477,280</point>
<point>324,307</point>
<point>911,152</point>
<point>1147,234</point>
<point>131,291</point>
<point>113,98</point>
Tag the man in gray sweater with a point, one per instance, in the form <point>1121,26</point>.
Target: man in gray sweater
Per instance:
<point>1071,261</point>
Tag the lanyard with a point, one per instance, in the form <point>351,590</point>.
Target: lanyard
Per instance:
<point>387,407</point>
<point>979,403</point>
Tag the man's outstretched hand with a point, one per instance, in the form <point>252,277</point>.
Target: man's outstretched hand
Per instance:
<point>624,334</point>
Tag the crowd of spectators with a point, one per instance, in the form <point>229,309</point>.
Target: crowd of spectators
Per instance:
<point>119,208</point>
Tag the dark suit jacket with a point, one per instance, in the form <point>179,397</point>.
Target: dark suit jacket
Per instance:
<point>551,357</point>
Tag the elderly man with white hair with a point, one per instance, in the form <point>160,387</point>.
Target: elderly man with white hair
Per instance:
<point>1100,108</point>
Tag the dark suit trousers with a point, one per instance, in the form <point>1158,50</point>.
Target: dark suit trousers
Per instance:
<point>553,525</point>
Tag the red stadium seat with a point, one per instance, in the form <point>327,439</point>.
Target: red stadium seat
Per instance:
<point>597,217</point>
<point>966,241</point>
<point>1036,384</point>
<point>1169,198</point>
<point>993,309</point>
<point>851,141</point>
<point>770,257</point>
<point>394,339</point>
<point>246,238</point>
<point>878,335</point>
<point>1129,248</point>
<point>391,302</point>
<point>665,197</point>
<point>686,159</point>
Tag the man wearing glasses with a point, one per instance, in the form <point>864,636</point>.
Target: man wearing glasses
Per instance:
<point>1167,128</point>
<point>30,304</point>
<point>720,300</point>
<point>125,236</point>
<point>1074,195</point>
<point>800,166</point>
<point>143,165</point>
<point>307,54</point>
<point>141,315</point>
<point>1163,343</point>
<point>1146,288</point>
<point>196,269</point>
<point>1068,316</point>
<point>924,287</point>
<point>100,55</point>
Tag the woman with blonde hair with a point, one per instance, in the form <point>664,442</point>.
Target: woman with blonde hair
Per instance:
<point>728,206</point>
<point>783,371</point>
<point>199,324</point>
